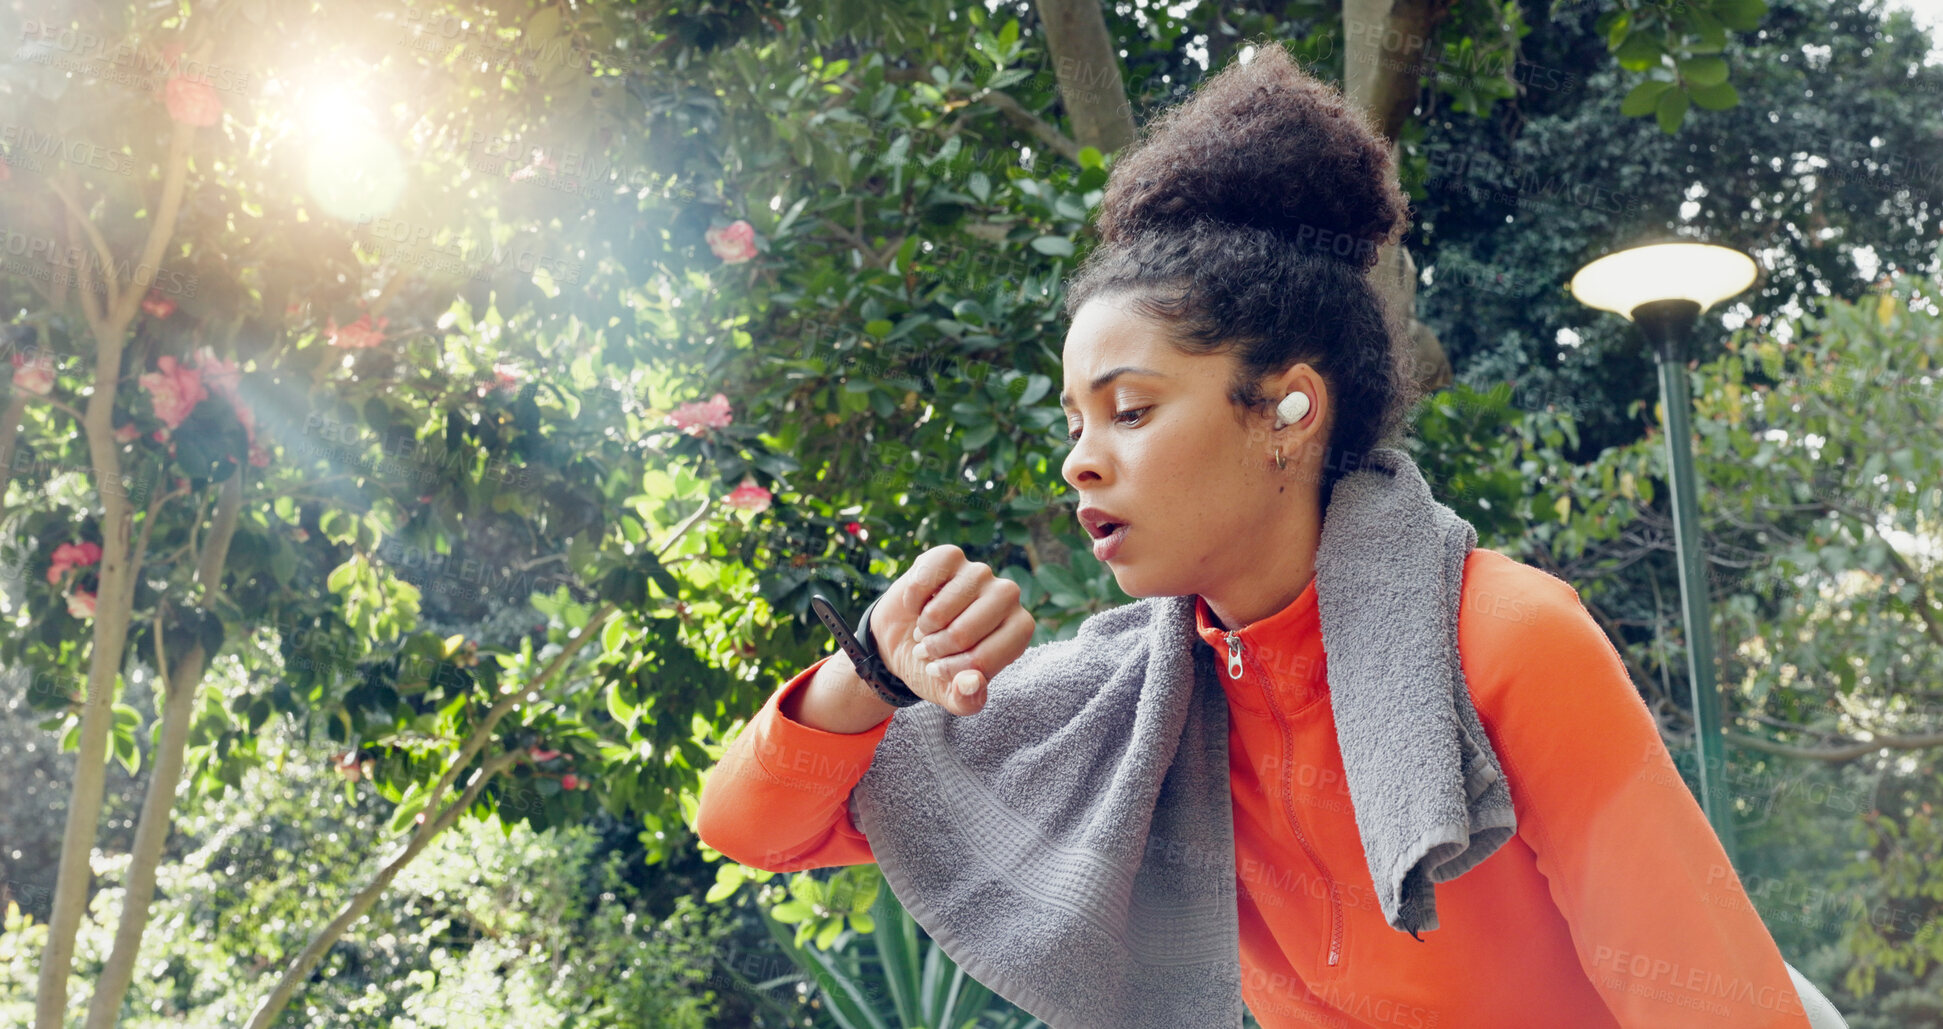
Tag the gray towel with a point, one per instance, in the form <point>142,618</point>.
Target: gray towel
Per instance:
<point>1072,845</point>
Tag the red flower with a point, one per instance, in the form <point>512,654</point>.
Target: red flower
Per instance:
<point>569,781</point>
<point>734,244</point>
<point>541,754</point>
<point>72,555</point>
<point>697,417</point>
<point>358,335</point>
<point>191,102</point>
<point>34,375</point>
<point>175,390</point>
<point>158,305</point>
<point>856,529</point>
<point>749,497</point>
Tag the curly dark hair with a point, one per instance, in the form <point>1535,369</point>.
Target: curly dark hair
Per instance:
<point>1248,217</point>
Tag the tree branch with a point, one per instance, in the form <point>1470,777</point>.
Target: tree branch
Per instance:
<point>1845,752</point>
<point>1041,130</point>
<point>300,969</point>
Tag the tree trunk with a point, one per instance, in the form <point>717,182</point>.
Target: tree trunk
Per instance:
<point>10,431</point>
<point>179,689</point>
<point>112,598</point>
<point>114,594</point>
<point>1383,48</point>
<point>1088,70</point>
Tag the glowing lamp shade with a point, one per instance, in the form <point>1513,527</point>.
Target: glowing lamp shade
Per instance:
<point>1701,272</point>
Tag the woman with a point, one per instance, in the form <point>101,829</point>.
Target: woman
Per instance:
<point>1228,361</point>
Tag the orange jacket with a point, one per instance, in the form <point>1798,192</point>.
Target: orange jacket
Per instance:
<point>1612,906</point>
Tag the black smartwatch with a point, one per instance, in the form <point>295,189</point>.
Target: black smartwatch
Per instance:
<point>862,648</point>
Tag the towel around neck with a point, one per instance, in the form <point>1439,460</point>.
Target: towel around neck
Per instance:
<point>1072,846</point>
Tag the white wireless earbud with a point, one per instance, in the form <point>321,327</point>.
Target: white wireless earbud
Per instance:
<point>1292,408</point>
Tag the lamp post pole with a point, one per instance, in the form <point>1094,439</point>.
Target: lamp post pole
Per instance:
<point>1668,325</point>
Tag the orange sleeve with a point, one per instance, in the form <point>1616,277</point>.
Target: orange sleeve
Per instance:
<point>779,798</point>
<point>1658,916</point>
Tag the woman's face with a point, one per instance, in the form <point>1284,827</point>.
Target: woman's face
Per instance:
<point>1162,451</point>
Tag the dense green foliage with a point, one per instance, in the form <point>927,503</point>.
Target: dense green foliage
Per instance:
<point>516,536</point>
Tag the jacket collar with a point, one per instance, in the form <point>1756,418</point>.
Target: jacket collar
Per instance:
<point>1275,647</point>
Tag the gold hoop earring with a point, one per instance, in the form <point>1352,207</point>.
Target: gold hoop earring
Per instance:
<point>1278,459</point>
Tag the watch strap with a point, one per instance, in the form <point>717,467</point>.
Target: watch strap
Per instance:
<point>870,667</point>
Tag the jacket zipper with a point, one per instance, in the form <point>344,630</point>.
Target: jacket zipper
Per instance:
<point>1288,803</point>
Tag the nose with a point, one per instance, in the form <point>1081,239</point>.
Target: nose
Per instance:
<point>1082,463</point>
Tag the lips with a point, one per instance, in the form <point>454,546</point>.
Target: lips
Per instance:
<point>1099,524</point>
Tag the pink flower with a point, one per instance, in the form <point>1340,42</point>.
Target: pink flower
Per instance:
<point>225,380</point>
<point>158,305</point>
<point>175,390</point>
<point>80,604</point>
<point>734,244</point>
<point>504,377</point>
<point>219,375</point>
<point>127,433</point>
<point>34,376</point>
<point>749,497</point>
<point>569,781</point>
<point>358,335</point>
<point>191,102</point>
<point>542,754</point>
<point>69,556</point>
<point>697,417</point>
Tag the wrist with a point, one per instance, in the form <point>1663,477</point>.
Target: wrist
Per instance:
<point>837,700</point>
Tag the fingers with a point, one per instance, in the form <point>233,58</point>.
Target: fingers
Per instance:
<point>977,665</point>
<point>954,596</point>
<point>995,601</point>
<point>930,572</point>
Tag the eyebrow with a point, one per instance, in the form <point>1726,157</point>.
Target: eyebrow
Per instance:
<point>1066,399</point>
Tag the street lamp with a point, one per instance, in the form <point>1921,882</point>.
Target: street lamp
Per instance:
<point>1662,288</point>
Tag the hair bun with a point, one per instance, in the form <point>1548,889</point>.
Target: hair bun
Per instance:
<point>1262,144</point>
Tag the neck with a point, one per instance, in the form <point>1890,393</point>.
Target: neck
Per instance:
<point>1273,575</point>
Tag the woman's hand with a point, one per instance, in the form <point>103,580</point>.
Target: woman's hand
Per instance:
<point>948,625</point>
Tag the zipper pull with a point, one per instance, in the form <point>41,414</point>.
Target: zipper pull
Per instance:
<point>1234,656</point>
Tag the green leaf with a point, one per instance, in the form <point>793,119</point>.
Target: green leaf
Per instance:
<point>1641,51</point>
<point>622,711</point>
<point>1717,98</point>
<point>1622,23</point>
<point>790,911</point>
<point>1057,246</point>
<point>1671,110</point>
<point>1641,99</point>
<point>341,576</point>
<point>1741,15</point>
<point>1704,71</point>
